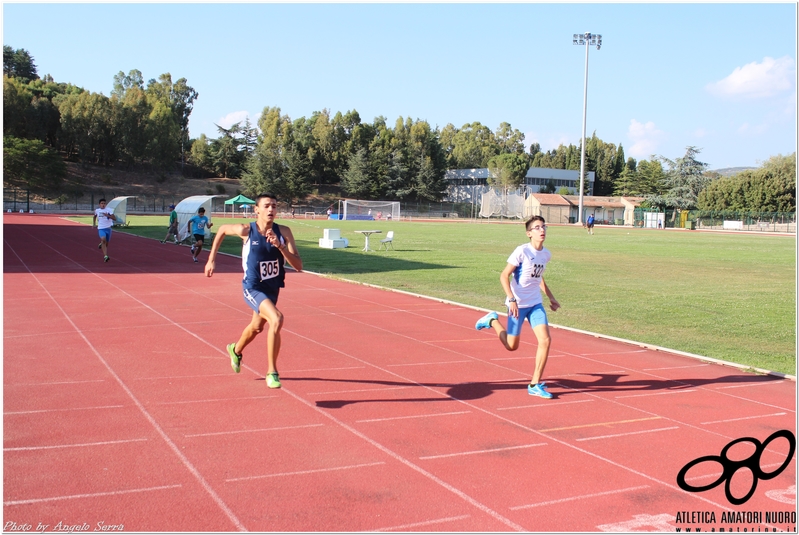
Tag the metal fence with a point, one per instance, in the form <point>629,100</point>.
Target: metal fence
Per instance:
<point>16,200</point>
<point>784,222</point>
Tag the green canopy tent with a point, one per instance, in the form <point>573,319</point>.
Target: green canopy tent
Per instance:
<point>241,200</point>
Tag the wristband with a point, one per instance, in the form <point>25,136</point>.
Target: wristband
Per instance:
<point>511,299</point>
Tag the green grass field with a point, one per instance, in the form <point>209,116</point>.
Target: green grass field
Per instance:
<point>726,296</point>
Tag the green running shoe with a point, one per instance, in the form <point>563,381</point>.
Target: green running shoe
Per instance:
<point>273,380</point>
<point>235,359</point>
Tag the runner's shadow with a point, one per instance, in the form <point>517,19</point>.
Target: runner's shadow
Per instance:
<point>455,392</point>
<point>478,390</point>
<point>607,382</point>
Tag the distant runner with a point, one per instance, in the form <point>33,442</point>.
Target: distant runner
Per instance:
<point>103,220</point>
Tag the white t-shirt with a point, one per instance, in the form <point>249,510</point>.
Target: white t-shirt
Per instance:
<point>526,280</point>
<point>102,220</point>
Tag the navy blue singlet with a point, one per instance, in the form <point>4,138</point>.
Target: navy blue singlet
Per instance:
<point>262,263</point>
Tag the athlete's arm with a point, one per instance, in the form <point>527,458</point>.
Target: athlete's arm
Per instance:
<point>94,219</point>
<point>553,303</point>
<point>504,280</point>
<point>241,230</point>
<point>289,249</point>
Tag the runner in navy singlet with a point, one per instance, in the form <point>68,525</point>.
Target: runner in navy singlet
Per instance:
<point>265,247</point>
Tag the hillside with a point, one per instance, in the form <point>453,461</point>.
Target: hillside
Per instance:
<point>143,183</point>
<point>729,171</point>
<point>90,182</point>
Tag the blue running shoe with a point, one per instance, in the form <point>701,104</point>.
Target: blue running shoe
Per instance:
<point>538,390</point>
<point>485,321</point>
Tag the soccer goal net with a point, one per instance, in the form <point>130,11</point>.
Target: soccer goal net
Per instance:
<point>496,203</point>
<point>370,210</point>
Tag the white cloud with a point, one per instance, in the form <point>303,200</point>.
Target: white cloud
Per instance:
<point>645,137</point>
<point>758,80</point>
<point>232,118</point>
<point>700,132</point>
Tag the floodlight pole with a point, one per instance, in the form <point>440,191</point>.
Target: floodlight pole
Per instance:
<point>587,39</point>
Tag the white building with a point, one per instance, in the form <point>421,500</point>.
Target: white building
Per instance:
<point>465,184</point>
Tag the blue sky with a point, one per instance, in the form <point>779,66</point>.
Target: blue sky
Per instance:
<point>718,76</point>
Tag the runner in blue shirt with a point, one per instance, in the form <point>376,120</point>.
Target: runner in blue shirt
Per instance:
<point>266,245</point>
<point>196,226</point>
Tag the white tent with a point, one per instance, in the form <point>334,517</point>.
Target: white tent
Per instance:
<point>187,208</point>
<point>119,207</point>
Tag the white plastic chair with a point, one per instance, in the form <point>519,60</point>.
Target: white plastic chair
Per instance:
<point>389,240</point>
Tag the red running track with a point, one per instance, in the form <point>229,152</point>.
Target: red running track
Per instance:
<point>120,408</point>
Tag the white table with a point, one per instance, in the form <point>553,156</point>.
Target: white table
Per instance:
<point>368,233</point>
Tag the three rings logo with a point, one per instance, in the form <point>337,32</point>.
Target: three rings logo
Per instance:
<point>730,467</point>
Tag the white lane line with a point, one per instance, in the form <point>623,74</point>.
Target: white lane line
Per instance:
<point>394,455</point>
<point>208,400</point>
<point>149,417</point>
<point>611,353</point>
<point>630,433</point>
<point>170,377</point>
<point>676,367</point>
<point>744,418</point>
<point>570,445</point>
<point>12,385</point>
<point>476,452</point>
<point>588,373</point>
<point>760,383</point>
<point>414,416</point>
<point>548,405</point>
<point>359,390</point>
<point>94,495</point>
<point>83,445</point>
<point>265,429</point>
<point>39,411</point>
<point>406,527</point>
<point>562,500</point>
<point>428,363</point>
<point>324,369</point>
<point>656,394</point>
<point>303,472</point>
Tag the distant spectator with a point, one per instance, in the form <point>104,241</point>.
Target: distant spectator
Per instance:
<point>173,225</point>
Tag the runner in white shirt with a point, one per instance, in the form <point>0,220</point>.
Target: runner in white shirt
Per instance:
<point>103,220</point>
<point>523,280</point>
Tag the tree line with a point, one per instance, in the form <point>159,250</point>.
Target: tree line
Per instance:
<point>149,124</point>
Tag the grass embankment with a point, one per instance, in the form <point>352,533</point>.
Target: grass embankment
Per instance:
<point>726,296</point>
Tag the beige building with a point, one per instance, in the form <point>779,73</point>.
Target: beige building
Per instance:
<point>563,208</point>
<point>552,207</point>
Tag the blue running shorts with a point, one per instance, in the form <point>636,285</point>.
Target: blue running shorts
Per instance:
<point>105,233</point>
<point>535,315</point>
<point>253,298</point>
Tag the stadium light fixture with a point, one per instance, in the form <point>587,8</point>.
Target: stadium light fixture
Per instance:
<point>587,39</point>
